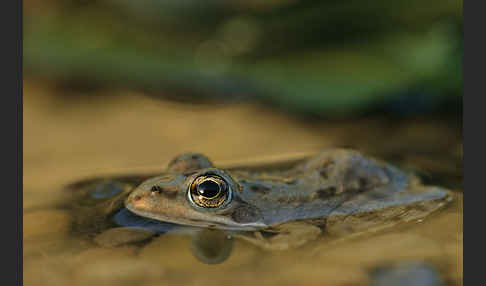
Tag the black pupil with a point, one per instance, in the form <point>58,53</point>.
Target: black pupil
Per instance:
<point>208,189</point>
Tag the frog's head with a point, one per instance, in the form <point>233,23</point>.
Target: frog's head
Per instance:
<point>194,193</point>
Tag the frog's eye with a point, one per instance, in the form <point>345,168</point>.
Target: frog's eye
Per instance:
<point>209,191</point>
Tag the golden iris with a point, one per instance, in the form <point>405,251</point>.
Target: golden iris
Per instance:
<point>209,191</point>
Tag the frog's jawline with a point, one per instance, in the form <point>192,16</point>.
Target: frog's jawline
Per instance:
<point>204,224</point>
<point>124,217</point>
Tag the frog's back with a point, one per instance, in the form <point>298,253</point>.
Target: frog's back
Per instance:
<point>333,183</point>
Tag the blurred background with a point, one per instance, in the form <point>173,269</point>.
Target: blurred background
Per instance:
<point>320,58</point>
<point>122,86</point>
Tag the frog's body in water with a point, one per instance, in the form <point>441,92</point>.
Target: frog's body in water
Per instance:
<point>334,186</point>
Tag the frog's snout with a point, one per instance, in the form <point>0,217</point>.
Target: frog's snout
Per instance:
<point>135,200</point>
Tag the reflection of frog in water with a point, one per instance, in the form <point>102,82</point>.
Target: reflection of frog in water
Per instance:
<point>338,189</point>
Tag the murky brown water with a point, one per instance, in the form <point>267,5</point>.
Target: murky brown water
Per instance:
<point>66,141</point>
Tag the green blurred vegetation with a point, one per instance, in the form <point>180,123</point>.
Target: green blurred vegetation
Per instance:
<point>315,57</point>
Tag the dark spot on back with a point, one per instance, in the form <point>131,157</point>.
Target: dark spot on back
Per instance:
<point>259,189</point>
<point>323,171</point>
<point>294,199</point>
<point>364,183</point>
<point>324,194</point>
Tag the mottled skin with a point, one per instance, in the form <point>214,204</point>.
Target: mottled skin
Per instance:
<point>294,203</point>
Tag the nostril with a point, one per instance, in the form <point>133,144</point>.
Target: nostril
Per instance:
<point>155,189</point>
<point>137,198</point>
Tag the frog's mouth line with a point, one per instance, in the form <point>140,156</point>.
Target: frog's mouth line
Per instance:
<point>198,223</point>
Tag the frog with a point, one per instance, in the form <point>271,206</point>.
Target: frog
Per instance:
<point>337,191</point>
